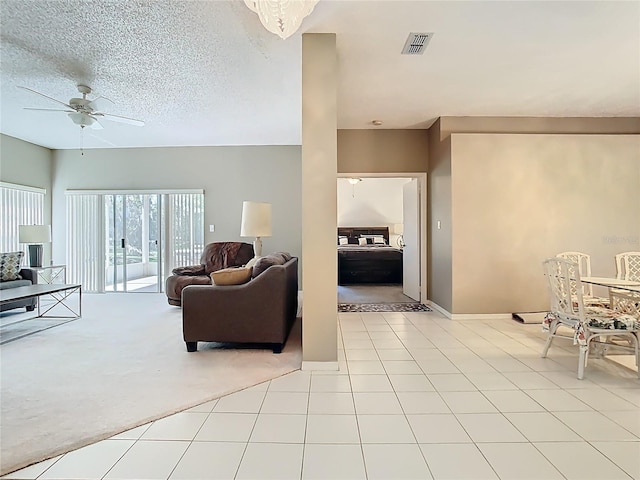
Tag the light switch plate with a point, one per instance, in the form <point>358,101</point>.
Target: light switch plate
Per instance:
<point>212,228</point>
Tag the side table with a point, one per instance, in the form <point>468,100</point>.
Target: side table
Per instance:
<point>51,274</point>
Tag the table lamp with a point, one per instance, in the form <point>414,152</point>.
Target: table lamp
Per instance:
<point>35,236</point>
<point>398,229</point>
<point>256,222</point>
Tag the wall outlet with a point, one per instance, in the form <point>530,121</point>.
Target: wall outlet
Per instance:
<point>212,228</point>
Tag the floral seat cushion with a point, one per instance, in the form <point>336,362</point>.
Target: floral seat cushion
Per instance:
<point>598,319</point>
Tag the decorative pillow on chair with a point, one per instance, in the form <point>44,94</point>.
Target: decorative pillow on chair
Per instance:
<point>362,241</point>
<point>231,276</point>
<point>343,241</point>
<point>379,241</point>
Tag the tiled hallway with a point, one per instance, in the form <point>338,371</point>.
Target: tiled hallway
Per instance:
<point>417,397</point>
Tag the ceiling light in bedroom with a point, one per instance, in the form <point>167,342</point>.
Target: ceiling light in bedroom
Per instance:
<point>353,181</point>
<point>282,17</point>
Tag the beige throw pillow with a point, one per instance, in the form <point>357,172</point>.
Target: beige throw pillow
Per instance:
<point>231,276</point>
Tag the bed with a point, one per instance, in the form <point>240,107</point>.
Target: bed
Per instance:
<point>371,263</point>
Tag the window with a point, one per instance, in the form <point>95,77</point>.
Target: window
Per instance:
<point>19,205</point>
<point>121,240</point>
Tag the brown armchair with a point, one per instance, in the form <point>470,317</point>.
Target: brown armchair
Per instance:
<point>216,256</point>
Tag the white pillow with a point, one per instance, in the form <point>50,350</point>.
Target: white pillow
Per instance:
<point>343,241</point>
<point>379,240</point>
<point>362,241</point>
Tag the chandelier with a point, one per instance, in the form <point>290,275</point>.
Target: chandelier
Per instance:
<point>282,17</point>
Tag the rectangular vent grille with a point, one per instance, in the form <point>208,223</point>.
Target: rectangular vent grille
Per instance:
<point>416,43</point>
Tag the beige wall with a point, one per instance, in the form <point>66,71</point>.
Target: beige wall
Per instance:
<point>439,209</point>
<point>382,151</point>
<point>228,175</point>
<point>319,164</point>
<point>603,125</point>
<point>24,163</point>
<point>517,199</point>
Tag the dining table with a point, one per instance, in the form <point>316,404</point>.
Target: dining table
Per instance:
<point>624,295</point>
<point>629,285</point>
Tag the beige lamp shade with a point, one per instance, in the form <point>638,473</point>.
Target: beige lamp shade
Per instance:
<point>256,219</point>
<point>34,233</point>
<point>256,222</point>
<point>398,228</point>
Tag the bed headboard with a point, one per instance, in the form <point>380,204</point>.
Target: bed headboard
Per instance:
<point>353,233</point>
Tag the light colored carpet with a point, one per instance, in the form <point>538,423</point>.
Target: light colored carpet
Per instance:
<point>372,294</point>
<point>121,365</point>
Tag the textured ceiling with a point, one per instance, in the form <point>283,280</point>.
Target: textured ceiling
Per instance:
<point>208,73</point>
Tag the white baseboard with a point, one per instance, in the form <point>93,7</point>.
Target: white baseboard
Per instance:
<point>481,316</point>
<point>469,316</point>
<point>324,366</point>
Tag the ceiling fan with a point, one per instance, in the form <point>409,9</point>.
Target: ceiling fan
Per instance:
<point>84,112</point>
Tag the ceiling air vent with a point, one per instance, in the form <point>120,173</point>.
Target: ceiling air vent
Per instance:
<point>416,43</point>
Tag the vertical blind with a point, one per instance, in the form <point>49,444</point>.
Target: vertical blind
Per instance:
<point>20,205</point>
<point>186,229</point>
<point>86,241</point>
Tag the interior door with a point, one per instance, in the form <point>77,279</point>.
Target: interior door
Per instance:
<point>411,234</point>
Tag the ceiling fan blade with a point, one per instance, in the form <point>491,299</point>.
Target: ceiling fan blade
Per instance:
<point>104,140</point>
<point>100,103</point>
<point>96,125</point>
<point>119,118</point>
<point>48,110</point>
<point>45,96</point>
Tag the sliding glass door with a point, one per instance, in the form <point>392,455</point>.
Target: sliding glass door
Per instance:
<point>134,236</point>
<point>129,241</point>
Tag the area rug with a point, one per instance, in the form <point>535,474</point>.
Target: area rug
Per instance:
<point>382,307</point>
<point>121,365</point>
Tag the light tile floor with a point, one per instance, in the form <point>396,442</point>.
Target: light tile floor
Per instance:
<point>417,397</point>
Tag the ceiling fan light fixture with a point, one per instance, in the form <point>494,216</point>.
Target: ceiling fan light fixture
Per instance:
<point>282,17</point>
<point>82,119</point>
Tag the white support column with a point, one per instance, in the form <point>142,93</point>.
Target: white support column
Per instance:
<point>319,201</point>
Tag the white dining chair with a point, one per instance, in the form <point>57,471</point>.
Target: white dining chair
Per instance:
<point>627,268</point>
<point>583,261</point>
<point>589,324</point>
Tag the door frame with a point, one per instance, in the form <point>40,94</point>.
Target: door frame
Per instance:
<point>99,224</point>
<point>422,194</point>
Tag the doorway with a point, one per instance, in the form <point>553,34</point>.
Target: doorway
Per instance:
<point>127,241</point>
<point>396,202</point>
<point>134,253</point>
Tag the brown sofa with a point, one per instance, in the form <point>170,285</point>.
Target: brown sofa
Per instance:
<point>215,256</point>
<point>260,311</point>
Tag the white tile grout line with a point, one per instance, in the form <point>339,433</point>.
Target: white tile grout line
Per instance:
<point>482,329</point>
